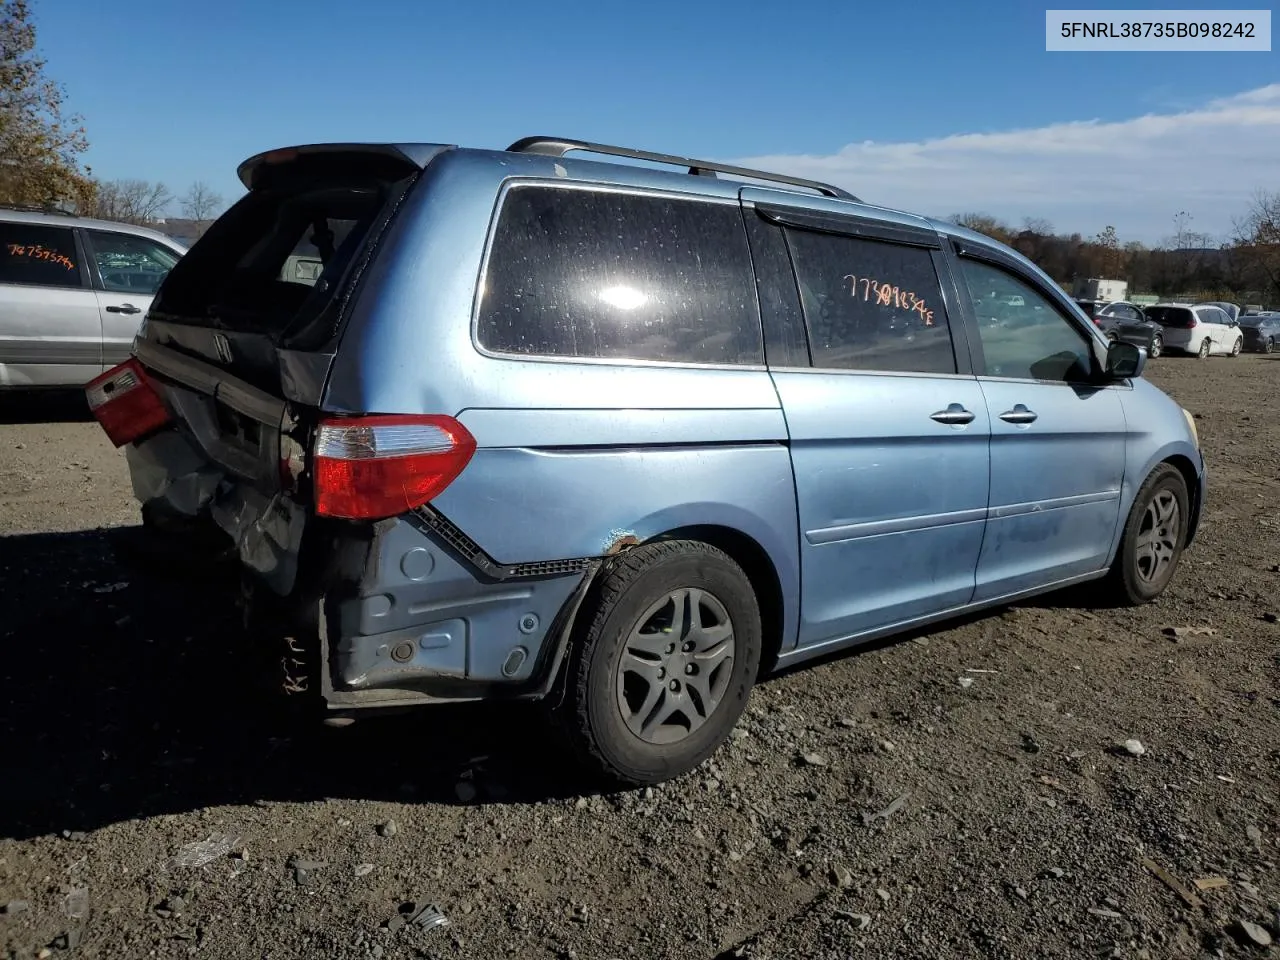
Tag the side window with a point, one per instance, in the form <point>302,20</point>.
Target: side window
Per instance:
<point>129,264</point>
<point>871,305</point>
<point>1022,333</point>
<point>594,273</point>
<point>35,254</point>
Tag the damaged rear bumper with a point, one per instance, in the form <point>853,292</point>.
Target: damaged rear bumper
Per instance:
<point>386,614</point>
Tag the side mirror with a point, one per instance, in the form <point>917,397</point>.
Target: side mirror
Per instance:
<point>1124,360</point>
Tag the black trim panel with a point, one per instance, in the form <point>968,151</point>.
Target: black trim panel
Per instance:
<point>849,226</point>
<point>429,519</point>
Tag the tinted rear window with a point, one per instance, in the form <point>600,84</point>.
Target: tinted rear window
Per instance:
<point>276,260</point>
<point>39,255</point>
<point>628,276</point>
<point>1169,316</point>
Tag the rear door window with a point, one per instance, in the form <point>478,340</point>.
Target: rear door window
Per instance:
<point>130,264</point>
<point>582,273</point>
<point>871,305</point>
<point>37,255</point>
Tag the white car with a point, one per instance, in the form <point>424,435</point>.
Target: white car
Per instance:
<point>1201,329</point>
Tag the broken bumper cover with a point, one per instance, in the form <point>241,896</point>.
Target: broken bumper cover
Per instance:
<point>422,621</point>
<point>266,530</point>
<point>399,612</point>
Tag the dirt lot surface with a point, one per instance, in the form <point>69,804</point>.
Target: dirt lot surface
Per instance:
<point>876,805</point>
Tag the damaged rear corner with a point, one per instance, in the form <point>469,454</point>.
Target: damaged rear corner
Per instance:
<point>426,623</point>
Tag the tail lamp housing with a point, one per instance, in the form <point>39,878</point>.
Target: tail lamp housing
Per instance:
<point>370,468</point>
<point>126,403</point>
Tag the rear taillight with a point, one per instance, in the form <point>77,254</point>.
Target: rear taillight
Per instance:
<point>368,468</point>
<point>126,403</point>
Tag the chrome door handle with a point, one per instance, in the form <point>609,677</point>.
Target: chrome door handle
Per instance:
<point>1019,414</point>
<point>124,308</point>
<point>954,414</point>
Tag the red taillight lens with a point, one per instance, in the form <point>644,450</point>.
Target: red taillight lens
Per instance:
<point>367,468</point>
<point>124,401</point>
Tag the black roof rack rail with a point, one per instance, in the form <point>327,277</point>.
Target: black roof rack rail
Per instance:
<point>35,208</point>
<point>558,147</point>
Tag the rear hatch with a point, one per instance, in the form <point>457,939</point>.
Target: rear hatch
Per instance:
<point>1173,318</point>
<point>242,334</point>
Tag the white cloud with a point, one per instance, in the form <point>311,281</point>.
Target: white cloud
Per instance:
<point>1135,174</point>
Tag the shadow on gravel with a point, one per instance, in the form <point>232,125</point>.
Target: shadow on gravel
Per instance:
<point>127,695</point>
<point>44,406</point>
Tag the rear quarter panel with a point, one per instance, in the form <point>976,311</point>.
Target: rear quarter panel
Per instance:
<point>572,457</point>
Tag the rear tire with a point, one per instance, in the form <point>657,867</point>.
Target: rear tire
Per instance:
<point>1205,347</point>
<point>1153,539</point>
<point>663,662</point>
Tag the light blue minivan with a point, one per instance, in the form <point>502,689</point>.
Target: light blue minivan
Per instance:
<point>623,431</point>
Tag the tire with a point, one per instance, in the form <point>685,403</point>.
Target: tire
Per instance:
<point>1237,347</point>
<point>1268,345</point>
<point>1205,347</point>
<point>607,704</point>
<point>1139,576</point>
<point>1156,348</point>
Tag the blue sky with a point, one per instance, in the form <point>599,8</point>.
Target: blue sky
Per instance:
<point>912,105</point>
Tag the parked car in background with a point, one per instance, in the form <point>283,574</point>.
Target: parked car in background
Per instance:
<point>1232,310</point>
<point>624,439</point>
<point>1126,321</point>
<point>73,292</point>
<point>1261,331</point>
<point>1201,329</point>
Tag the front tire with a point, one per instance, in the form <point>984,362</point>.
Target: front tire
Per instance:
<point>1269,345</point>
<point>1157,347</point>
<point>1205,347</point>
<point>664,662</point>
<point>1153,539</point>
<point>1237,347</point>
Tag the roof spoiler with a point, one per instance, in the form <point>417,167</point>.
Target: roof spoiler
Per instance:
<point>415,154</point>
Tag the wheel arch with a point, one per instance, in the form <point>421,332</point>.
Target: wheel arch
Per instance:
<point>1191,477</point>
<point>756,563</point>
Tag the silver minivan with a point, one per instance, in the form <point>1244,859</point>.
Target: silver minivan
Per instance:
<point>73,292</point>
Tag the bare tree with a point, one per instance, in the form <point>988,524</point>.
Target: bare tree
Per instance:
<point>201,204</point>
<point>1256,244</point>
<point>131,201</point>
<point>1110,249</point>
<point>983,223</point>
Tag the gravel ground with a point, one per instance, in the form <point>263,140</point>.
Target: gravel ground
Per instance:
<point>954,794</point>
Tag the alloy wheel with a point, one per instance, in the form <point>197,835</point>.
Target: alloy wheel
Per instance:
<point>676,665</point>
<point>1158,537</point>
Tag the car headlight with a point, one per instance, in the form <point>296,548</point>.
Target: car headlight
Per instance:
<point>1191,422</point>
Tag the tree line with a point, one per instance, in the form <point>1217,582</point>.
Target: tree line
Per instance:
<point>42,145</point>
<point>1187,264</point>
